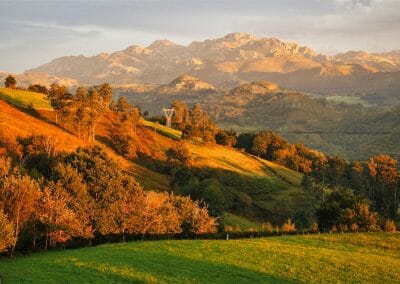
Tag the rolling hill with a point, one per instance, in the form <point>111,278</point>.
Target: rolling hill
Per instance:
<point>26,78</point>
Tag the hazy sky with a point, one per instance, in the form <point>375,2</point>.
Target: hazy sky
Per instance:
<point>34,32</point>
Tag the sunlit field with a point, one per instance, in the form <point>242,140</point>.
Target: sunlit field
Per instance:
<point>25,98</point>
<point>334,258</point>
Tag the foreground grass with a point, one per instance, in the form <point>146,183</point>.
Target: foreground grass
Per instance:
<point>319,258</point>
<point>25,99</point>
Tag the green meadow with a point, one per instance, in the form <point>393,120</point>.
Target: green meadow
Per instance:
<point>364,257</point>
<point>25,98</point>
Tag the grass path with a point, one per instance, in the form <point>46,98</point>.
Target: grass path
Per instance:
<point>372,258</point>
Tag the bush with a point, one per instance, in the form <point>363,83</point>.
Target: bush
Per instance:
<point>390,226</point>
<point>7,239</point>
<point>354,227</point>
<point>179,155</point>
<point>267,227</point>
<point>314,227</point>
<point>289,227</point>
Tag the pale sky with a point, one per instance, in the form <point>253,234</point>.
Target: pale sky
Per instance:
<point>35,32</point>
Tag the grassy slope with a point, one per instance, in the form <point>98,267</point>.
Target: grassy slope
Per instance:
<point>14,122</point>
<point>318,258</point>
<point>25,98</point>
<point>271,186</point>
<point>234,220</point>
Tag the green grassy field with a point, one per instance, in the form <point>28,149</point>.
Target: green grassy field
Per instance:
<point>372,258</point>
<point>25,98</point>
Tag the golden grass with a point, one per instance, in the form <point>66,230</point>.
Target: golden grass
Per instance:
<point>14,122</point>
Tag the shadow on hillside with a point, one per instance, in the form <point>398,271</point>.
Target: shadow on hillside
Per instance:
<point>129,264</point>
<point>256,197</point>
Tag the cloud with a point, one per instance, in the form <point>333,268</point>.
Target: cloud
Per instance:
<point>34,32</point>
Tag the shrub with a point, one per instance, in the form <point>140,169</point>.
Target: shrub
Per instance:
<point>354,227</point>
<point>267,227</point>
<point>179,155</point>
<point>390,226</point>
<point>314,227</point>
<point>289,227</point>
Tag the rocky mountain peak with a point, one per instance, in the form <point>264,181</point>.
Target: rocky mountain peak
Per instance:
<point>162,44</point>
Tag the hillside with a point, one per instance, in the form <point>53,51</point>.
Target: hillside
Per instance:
<point>367,257</point>
<point>230,60</point>
<point>17,123</point>
<point>275,192</point>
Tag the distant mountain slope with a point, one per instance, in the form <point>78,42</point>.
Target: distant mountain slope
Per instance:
<point>27,78</point>
<point>229,60</point>
<point>185,84</point>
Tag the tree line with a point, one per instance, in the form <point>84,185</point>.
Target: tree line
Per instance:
<point>371,185</point>
<point>48,200</point>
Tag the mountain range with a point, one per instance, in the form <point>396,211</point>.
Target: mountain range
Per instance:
<point>233,59</point>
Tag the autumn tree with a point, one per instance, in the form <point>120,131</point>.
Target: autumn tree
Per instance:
<point>60,222</point>
<point>266,144</point>
<point>226,138</point>
<point>78,198</point>
<point>18,198</point>
<point>96,110</point>
<point>181,116</point>
<point>105,92</point>
<point>10,82</point>
<point>81,110</point>
<point>128,114</point>
<point>155,214</point>
<point>59,98</point>
<point>179,155</point>
<point>336,168</point>
<point>117,206</point>
<point>195,218</point>
<point>7,233</point>
<point>385,177</point>
<point>37,88</point>
<point>342,209</point>
<point>199,126</point>
<point>289,226</point>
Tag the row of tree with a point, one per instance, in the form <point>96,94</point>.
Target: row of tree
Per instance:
<point>11,83</point>
<point>377,180</point>
<point>47,200</point>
